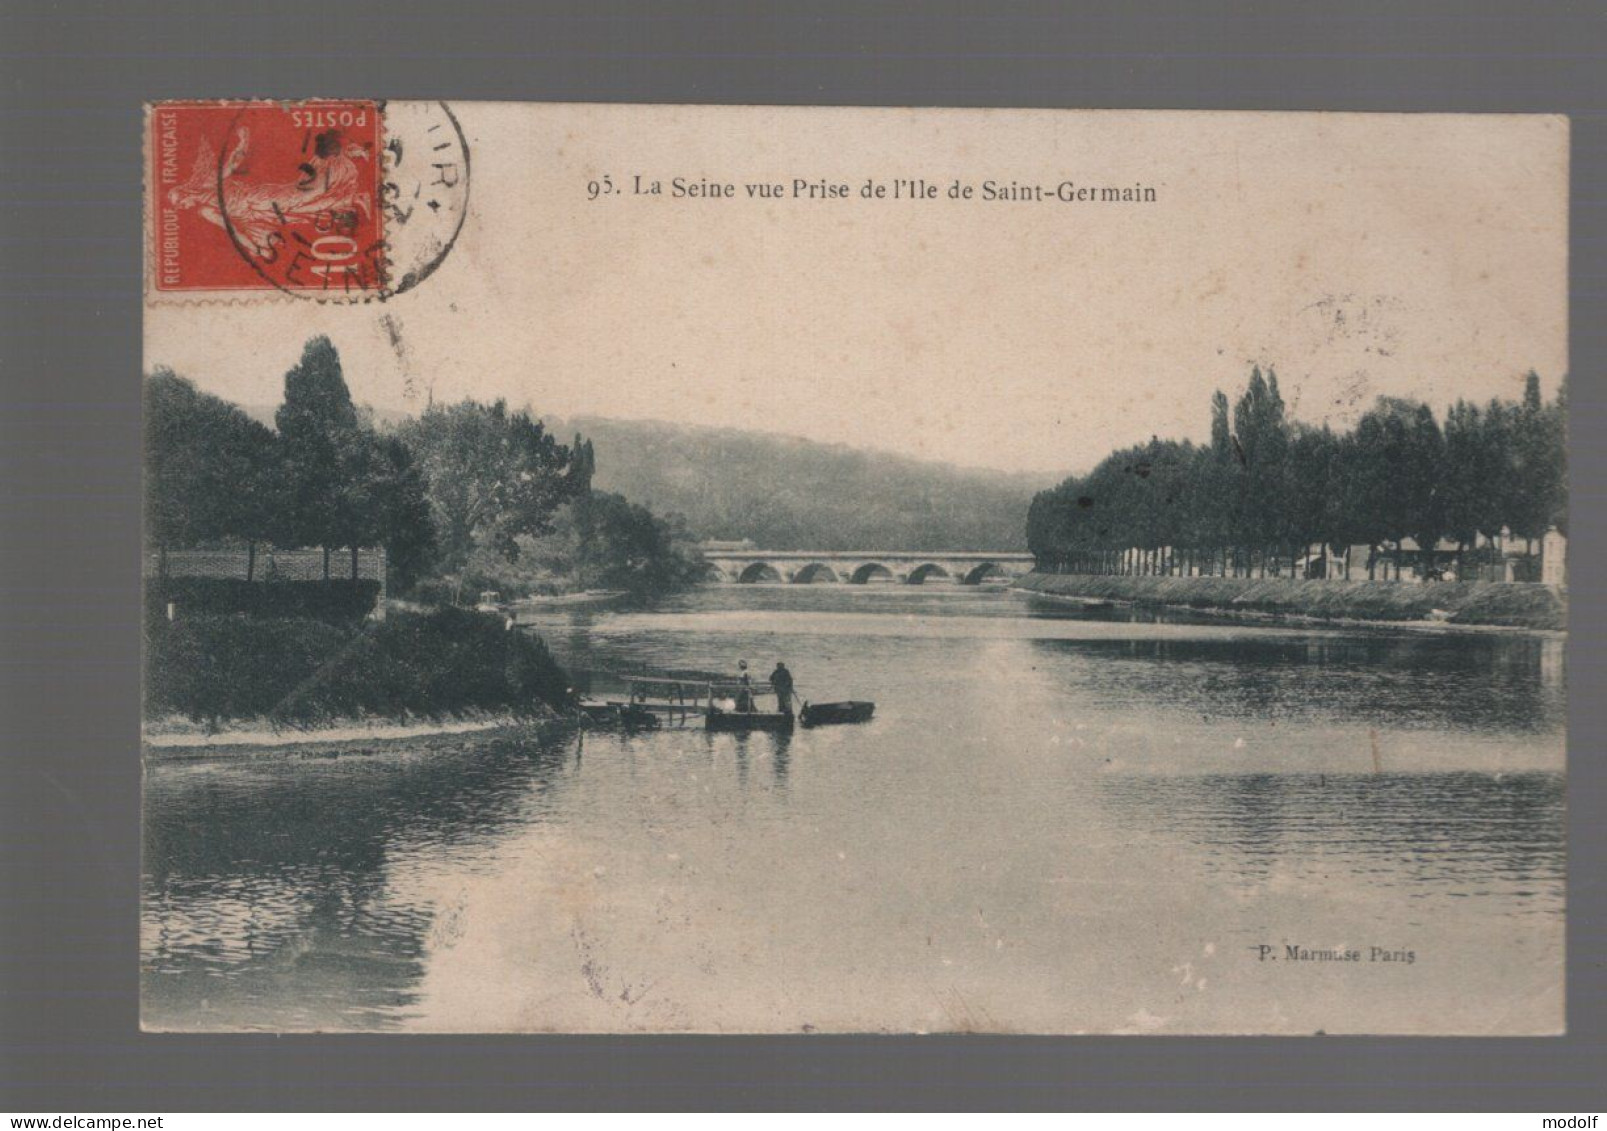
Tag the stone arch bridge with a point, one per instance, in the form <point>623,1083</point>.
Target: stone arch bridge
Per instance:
<point>860,568</point>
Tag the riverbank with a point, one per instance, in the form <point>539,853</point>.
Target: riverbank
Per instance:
<point>1509,605</point>
<point>175,738</point>
<point>288,675</point>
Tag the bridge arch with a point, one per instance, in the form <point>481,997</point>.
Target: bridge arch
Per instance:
<point>982,572</point>
<point>870,571</point>
<point>711,571</point>
<point>758,571</point>
<point>813,572</point>
<point>920,573</point>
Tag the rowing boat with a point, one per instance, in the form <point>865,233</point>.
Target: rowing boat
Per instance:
<point>833,714</point>
<point>741,721</point>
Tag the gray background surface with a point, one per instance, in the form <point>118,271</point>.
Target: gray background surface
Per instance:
<point>74,78</point>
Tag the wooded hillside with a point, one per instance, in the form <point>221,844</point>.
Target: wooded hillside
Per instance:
<point>789,493</point>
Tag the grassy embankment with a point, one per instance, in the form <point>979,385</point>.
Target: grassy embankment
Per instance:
<point>298,672</point>
<point>1466,603</point>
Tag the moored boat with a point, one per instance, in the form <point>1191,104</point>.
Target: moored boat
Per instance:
<point>739,721</point>
<point>833,714</point>
<point>631,716</point>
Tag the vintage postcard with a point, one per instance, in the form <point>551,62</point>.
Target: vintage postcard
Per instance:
<point>656,569</point>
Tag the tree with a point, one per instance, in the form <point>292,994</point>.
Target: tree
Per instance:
<point>1262,436</point>
<point>1499,436</point>
<point>326,456</point>
<point>492,476</point>
<point>602,540</point>
<point>400,517</point>
<point>1377,458</point>
<point>1216,507</point>
<point>1312,509</point>
<point>1420,478</point>
<point>1539,478</point>
<point>211,472</point>
<point>1221,427</point>
<point>343,484</point>
<point>1473,479</point>
<point>1557,440</point>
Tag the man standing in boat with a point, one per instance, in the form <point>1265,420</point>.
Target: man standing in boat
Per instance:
<point>781,681</point>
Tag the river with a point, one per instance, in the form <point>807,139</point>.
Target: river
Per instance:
<point>1060,820</point>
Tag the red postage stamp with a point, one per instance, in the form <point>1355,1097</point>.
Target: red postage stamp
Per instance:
<point>251,196</point>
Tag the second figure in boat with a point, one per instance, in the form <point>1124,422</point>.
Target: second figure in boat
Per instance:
<point>744,688</point>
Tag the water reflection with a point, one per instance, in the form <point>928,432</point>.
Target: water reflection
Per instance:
<point>780,757</point>
<point>1038,789</point>
<point>1457,835</point>
<point>272,884</point>
<point>1463,683</point>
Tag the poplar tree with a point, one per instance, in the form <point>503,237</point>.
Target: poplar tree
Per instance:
<point>323,452</point>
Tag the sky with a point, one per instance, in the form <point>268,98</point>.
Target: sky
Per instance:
<point>1403,255</point>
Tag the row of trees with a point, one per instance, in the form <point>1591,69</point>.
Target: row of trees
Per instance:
<point>456,483</point>
<point>1267,488</point>
<point>324,478</point>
